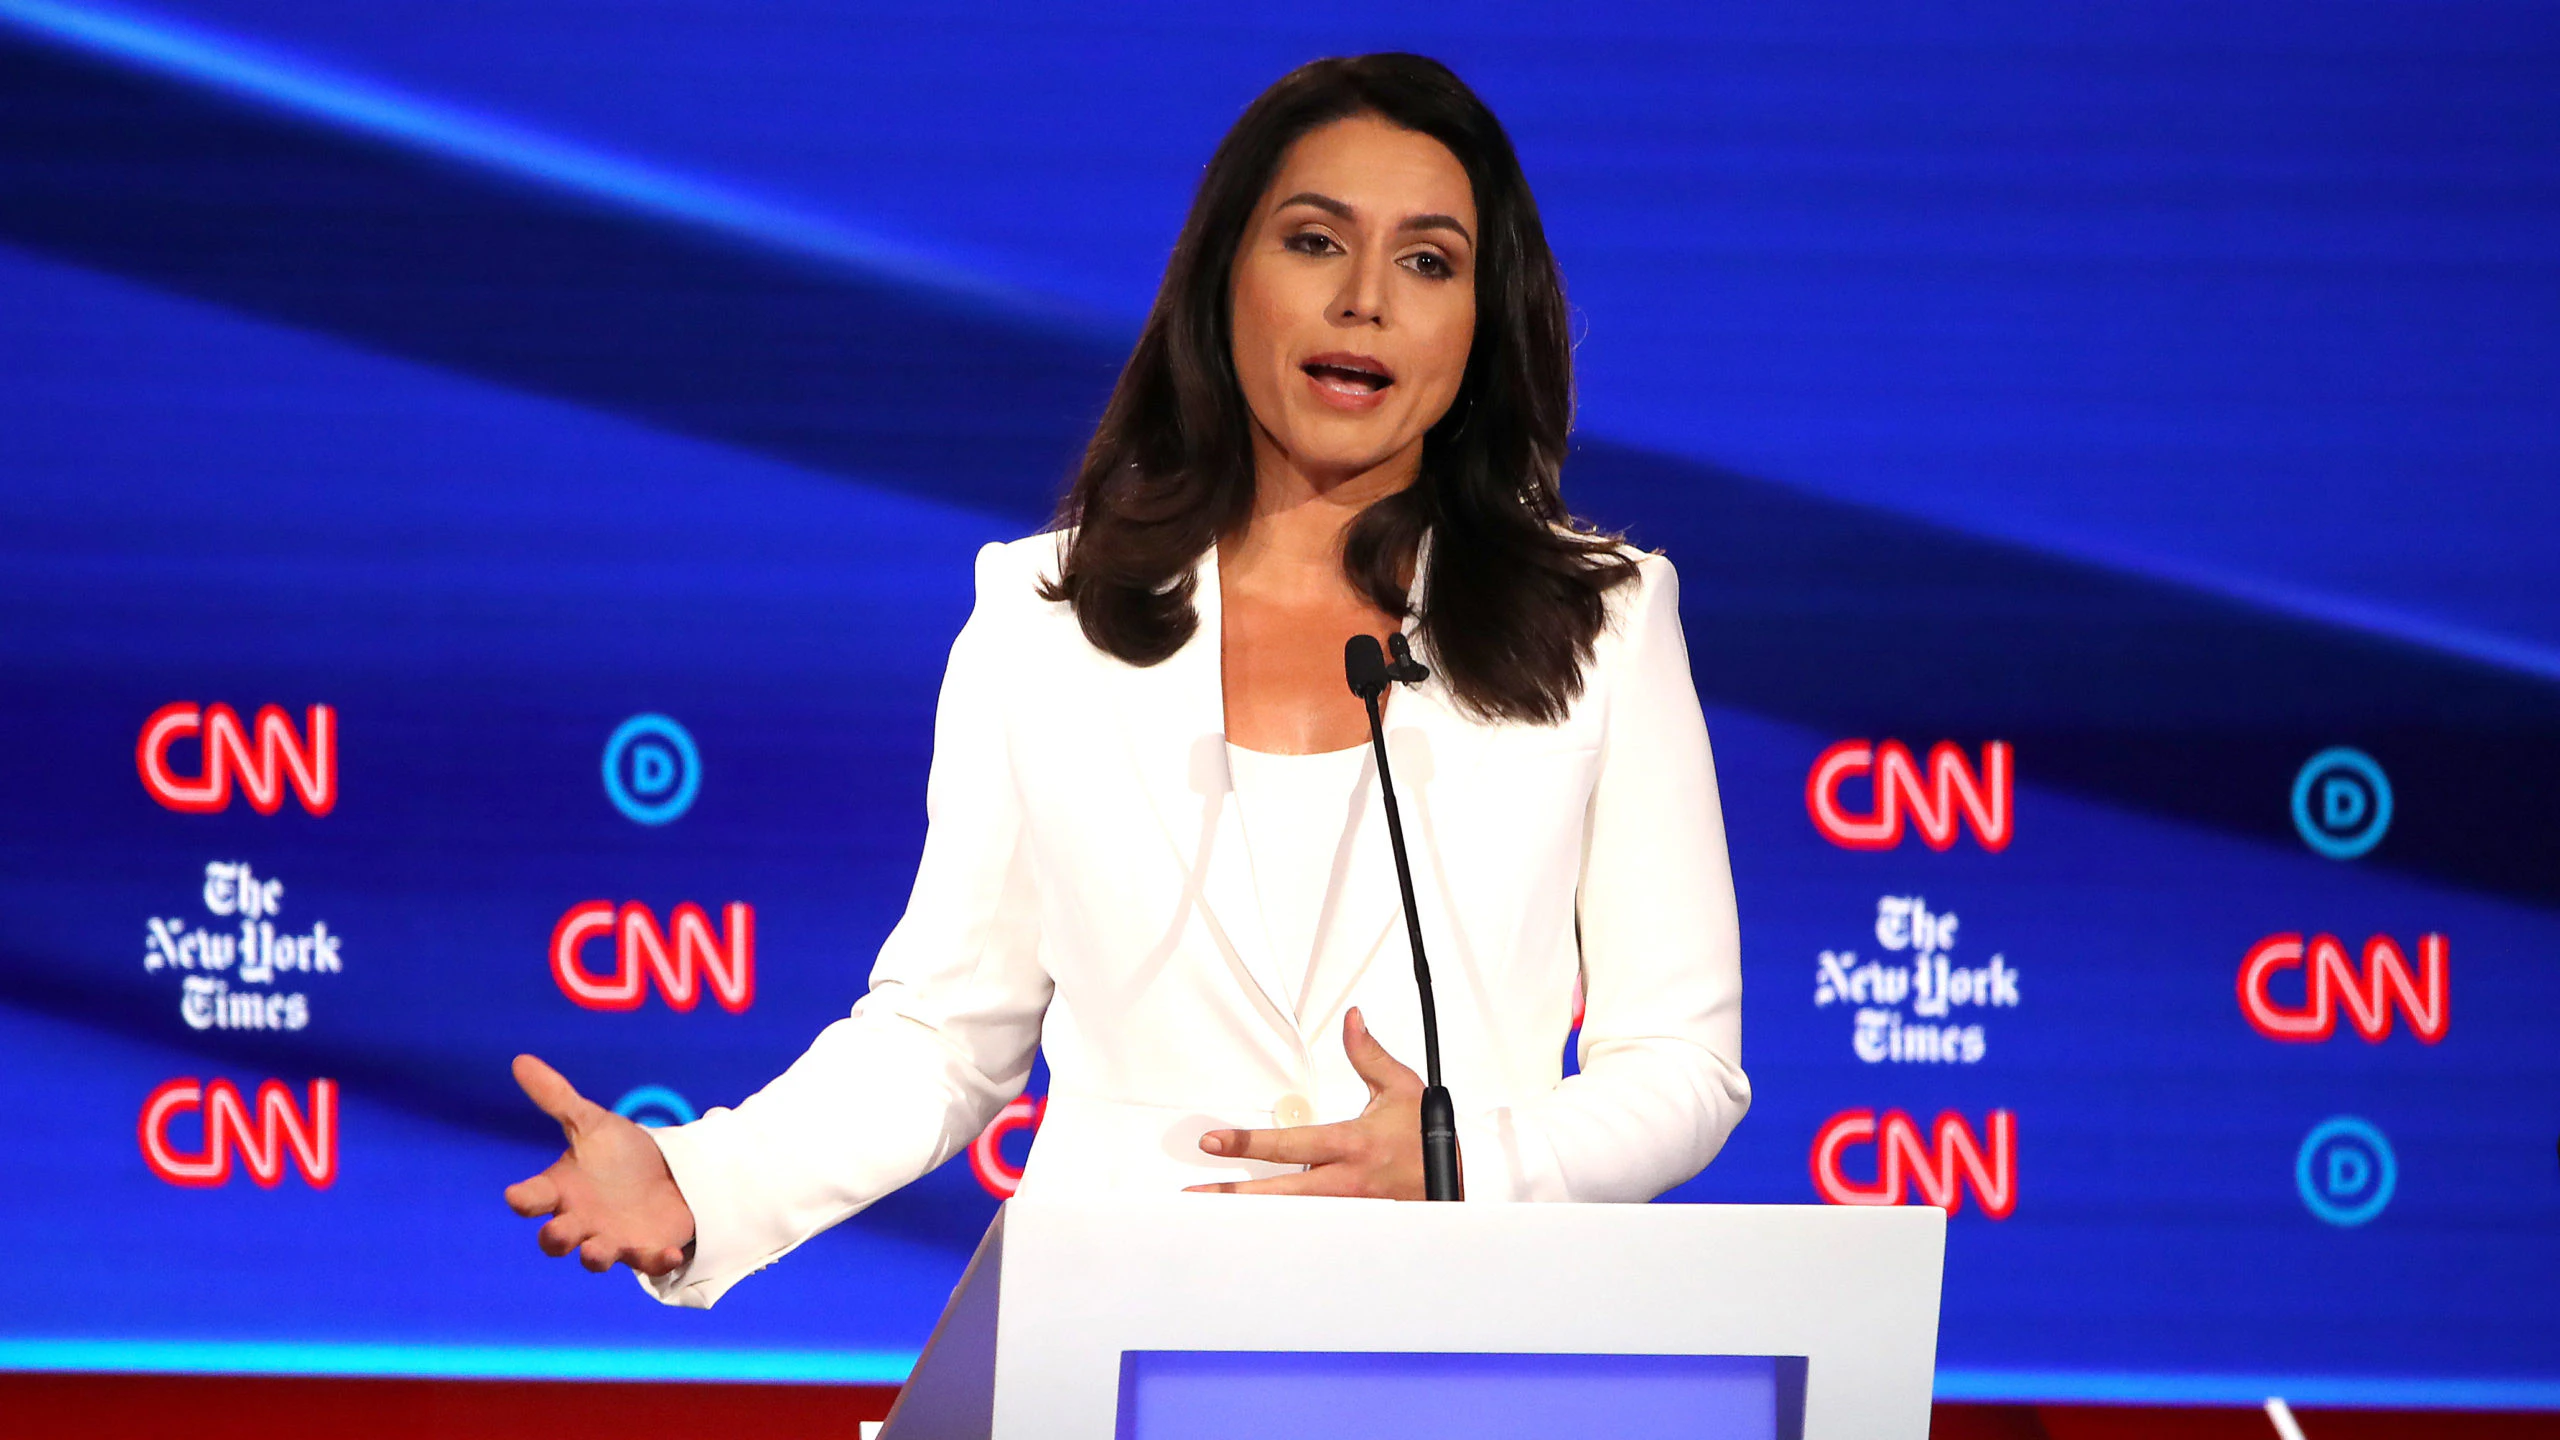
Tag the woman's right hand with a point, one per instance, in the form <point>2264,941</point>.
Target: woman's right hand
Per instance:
<point>609,1195</point>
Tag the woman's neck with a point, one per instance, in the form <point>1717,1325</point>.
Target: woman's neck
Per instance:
<point>1287,606</point>
<point>1300,513</point>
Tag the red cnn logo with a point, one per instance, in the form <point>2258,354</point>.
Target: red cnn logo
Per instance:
<point>1904,1160</point>
<point>1954,788</point>
<point>997,1175</point>
<point>728,961</point>
<point>309,1136</point>
<point>2427,1000</point>
<point>280,758</point>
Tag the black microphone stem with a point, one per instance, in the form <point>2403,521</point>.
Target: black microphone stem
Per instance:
<point>1404,882</point>
<point>1366,667</point>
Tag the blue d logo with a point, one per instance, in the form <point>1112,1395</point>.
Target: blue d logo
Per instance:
<point>2345,1171</point>
<point>651,770</point>
<point>2341,803</point>
<point>654,1107</point>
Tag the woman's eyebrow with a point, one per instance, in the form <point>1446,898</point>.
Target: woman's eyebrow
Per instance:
<point>1438,222</point>
<point>1338,209</point>
<point>1326,203</point>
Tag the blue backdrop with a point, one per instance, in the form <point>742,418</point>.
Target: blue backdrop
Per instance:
<point>2161,401</point>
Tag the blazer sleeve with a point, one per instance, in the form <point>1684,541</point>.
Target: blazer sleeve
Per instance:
<point>945,1036</point>
<point>1661,1082</point>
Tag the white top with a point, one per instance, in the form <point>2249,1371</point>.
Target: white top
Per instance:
<point>1086,892</point>
<point>1298,813</point>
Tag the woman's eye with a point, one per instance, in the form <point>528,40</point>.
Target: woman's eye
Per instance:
<point>1427,263</point>
<point>1310,242</point>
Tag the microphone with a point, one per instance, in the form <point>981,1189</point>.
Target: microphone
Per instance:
<point>1404,667</point>
<point>1367,669</point>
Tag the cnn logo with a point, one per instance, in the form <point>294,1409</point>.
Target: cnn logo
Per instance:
<point>998,1175</point>
<point>307,762</point>
<point>694,957</point>
<point>281,1131</point>
<point>2330,979</point>
<point>1905,1162</point>
<point>1954,792</point>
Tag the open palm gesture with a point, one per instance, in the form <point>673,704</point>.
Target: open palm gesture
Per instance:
<point>609,1195</point>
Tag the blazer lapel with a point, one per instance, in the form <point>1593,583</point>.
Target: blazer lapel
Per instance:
<point>1367,916</point>
<point>1174,719</point>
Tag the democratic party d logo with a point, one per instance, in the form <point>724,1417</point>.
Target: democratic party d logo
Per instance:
<point>2341,803</point>
<point>655,1107</point>
<point>2345,1171</point>
<point>651,770</point>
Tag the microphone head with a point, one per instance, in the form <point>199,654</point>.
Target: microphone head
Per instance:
<point>1365,666</point>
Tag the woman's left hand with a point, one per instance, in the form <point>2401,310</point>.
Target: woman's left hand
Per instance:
<point>1376,1157</point>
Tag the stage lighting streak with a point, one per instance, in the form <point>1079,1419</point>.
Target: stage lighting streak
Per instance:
<point>457,1362</point>
<point>2265,592</point>
<point>315,93</point>
<point>2114,1387</point>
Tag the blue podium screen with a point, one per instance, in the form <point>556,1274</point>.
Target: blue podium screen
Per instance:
<point>1372,1395</point>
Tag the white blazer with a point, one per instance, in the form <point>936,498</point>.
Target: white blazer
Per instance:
<point>1085,889</point>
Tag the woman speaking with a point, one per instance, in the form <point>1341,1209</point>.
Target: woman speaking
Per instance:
<point>1158,847</point>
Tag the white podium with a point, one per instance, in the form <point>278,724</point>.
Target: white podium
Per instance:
<point>1165,1318</point>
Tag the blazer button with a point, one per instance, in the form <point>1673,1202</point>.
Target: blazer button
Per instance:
<point>1293,1111</point>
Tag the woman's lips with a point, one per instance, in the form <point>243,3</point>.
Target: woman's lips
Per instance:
<point>1348,382</point>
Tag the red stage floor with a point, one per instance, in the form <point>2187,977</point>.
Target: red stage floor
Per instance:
<point>261,1408</point>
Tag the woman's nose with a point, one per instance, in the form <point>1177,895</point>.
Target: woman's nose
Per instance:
<point>1363,300</point>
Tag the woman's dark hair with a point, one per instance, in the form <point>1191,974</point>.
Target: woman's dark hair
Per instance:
<point>1516,590</point>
